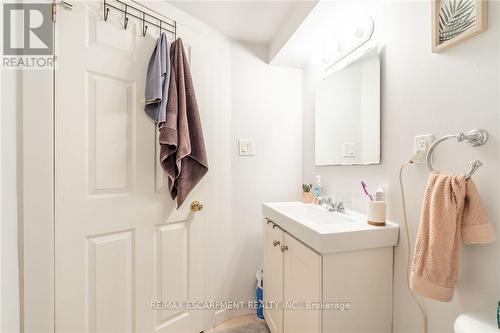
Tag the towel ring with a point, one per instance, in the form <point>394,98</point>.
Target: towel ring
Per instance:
<point>473,138</point>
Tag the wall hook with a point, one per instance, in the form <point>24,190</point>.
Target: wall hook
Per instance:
<point>160,28</point>
<point>106,13</point>
<point>125,20</point>
<point>144,26</point>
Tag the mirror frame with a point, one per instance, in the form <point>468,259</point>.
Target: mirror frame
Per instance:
<point>331,71</point>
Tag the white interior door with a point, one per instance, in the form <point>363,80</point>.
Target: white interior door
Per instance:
<point>120,244</point>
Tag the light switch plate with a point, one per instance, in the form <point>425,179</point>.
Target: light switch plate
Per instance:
<point>246,147</point>
<point>349,149</point>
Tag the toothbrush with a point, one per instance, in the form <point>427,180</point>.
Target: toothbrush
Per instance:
<point>364,186</point>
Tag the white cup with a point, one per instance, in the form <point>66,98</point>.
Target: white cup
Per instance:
<point>377,213</point>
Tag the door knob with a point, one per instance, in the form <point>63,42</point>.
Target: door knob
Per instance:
<point>284,248</point>
<point>196,206</point>
<point>276,243</point>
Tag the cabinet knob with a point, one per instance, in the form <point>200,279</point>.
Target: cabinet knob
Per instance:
<point>284,248</point>
<point>276,243</point>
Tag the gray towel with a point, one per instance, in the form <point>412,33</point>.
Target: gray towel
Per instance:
<point>157,81</point>
<point>182,148</point>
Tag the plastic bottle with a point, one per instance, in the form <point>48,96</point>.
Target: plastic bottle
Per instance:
<point>380,194</point>
<point>498,315</point>
<point>259,293</point>
<point>316,190</point>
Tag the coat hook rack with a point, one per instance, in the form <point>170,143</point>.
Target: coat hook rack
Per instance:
<point>166,25</point>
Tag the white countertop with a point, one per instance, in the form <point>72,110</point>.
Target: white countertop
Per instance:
<point>328,232</point>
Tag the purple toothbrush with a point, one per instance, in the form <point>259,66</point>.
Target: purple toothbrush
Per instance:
<point>364,186</point>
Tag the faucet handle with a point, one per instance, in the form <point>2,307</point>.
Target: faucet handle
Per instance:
<point>323,199</point>
<point>340,206</point>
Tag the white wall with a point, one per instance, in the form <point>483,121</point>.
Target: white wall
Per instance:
<point>266,106</point>
<point>423,92</point>
<point>287,29</point>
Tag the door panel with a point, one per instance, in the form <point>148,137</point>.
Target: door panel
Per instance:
<point>120,244</point>
<point>172,274</point>
<point>273,277</point>
<point>302,283</point>
<point>110,300</point>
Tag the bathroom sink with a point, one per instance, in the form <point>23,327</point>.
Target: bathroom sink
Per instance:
<point>311,215</point>
<point>328,232</point>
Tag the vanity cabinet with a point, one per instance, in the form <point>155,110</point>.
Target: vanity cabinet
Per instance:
<point>302,283</point>
<point>292,275</point>
<point>273,276</point>
<point>301,286</point>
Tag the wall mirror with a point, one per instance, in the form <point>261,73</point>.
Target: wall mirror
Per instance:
<point>347,113</point>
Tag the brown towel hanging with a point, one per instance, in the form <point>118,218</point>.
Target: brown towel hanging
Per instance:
<point>182,148</point>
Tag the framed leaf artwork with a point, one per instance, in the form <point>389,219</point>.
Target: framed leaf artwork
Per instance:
<point>455,21</point>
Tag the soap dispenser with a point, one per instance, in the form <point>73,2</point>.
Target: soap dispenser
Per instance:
<point>316,190</point>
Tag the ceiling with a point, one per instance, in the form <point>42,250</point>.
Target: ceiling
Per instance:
<point>246,21</point>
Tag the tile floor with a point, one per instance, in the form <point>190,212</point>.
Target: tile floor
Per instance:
<point>243,324</point>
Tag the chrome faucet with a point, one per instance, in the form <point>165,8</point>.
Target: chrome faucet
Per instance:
<point>332,206</point>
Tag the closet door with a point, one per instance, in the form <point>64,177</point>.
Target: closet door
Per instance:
<point>302,283</point>
<point>122,249</point>
<point>273,277</point>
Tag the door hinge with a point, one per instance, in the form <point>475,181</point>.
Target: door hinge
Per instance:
<point>67,5</point>
<point>54,11</point>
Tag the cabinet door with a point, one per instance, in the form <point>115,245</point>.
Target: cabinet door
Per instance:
<point>273,277</point>
<point>302,285</point>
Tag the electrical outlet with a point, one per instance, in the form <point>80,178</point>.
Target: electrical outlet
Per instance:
<point>422,143</point>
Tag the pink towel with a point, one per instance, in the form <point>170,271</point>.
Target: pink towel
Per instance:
<point>453,212</point>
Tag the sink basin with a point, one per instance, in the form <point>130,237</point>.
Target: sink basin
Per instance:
<point>326,231</point>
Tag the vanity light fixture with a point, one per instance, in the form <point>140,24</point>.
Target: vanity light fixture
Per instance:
<point>364,34</point>
<point>334,50</point>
